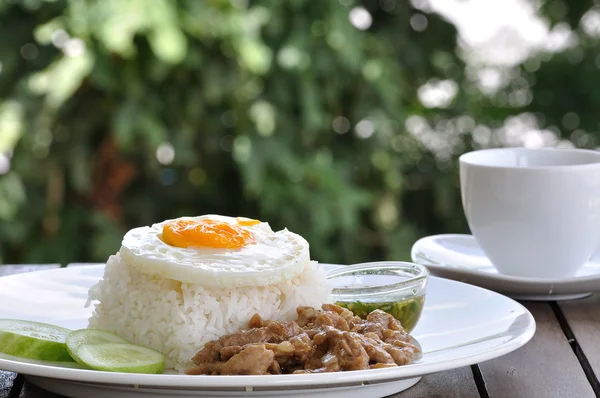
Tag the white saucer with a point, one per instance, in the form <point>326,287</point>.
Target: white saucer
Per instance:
<point>459,257</point>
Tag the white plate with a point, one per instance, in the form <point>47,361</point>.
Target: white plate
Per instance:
<point>461,325</point>
<point>459,257</point>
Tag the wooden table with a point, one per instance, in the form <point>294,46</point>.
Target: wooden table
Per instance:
<point>562,359</point>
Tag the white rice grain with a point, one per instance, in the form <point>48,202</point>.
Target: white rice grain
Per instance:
<point>177,319</point>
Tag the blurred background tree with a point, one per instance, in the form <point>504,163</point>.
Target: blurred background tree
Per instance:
<point>341,120</point>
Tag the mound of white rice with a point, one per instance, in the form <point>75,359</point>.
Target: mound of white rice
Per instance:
<point>177,319</point>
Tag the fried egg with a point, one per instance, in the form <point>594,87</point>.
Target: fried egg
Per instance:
<point>216,251</point>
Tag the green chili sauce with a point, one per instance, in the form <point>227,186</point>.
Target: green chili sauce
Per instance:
<point>407,311</point>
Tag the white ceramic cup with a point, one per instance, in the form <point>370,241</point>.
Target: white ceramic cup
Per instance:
<point>534,212</point>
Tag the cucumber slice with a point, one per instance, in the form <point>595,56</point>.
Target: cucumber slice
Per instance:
<point>34,340</point>
<point>90,336</point>
<point>121,357</point>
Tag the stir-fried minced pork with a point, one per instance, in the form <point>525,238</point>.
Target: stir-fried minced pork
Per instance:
<point>331,339</point>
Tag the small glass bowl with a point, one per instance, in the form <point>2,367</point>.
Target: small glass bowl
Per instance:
<point>395,287</point>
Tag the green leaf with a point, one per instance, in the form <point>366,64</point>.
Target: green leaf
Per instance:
<point>11,124</point>
<point>168,43</point>
<point>255,56</point>
<point>60,81</point>
<point>12,195</point>
<point>43,33</point>
<point>263,115</point>
<point>124,123</point>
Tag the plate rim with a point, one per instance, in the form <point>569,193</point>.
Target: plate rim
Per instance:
<point>243,382</point>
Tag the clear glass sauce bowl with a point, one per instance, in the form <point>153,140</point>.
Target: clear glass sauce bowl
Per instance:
<point>395,287</point>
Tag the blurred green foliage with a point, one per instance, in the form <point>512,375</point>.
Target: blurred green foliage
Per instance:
<point>120,113</point>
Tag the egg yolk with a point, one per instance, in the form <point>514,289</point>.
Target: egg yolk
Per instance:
<point>206,233</point>
<point>246,222</point>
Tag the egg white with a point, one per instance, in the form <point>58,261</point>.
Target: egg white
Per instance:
<point>275,257</point>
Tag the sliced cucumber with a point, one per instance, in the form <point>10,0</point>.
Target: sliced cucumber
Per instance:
<point>90,336</point>
<point>121,357</point>
<point>34,340</point>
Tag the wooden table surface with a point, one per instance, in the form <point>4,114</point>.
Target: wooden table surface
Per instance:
<point>562,359</point>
